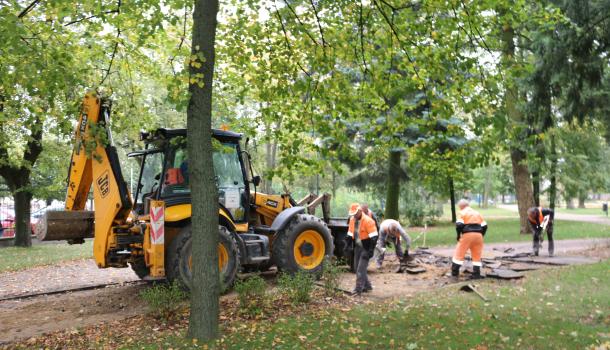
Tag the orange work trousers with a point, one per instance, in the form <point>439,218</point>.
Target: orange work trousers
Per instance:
<point>472,241</point>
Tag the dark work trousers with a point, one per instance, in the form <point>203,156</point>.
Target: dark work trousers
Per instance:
<point>361,257</point>
<point>539,237</point>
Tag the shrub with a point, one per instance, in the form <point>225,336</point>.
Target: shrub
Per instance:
<point>252,296</point>
<point>297,287</point>
<point>164,300</point>
<point>330,277</point>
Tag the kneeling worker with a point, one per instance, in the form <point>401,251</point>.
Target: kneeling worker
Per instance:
<point>470,228</point>
<point>391,230</point>
<point>540,219</point>
<point>363,232</point>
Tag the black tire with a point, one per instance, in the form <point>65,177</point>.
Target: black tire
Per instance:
<point>284,243</point>
<point>342,252</point>
<point>179,252</point>
<point>139,267</point>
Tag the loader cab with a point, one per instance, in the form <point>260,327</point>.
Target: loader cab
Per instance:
<point>165,174</point>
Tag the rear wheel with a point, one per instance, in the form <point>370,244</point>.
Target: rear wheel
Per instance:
<point>303,245</point>
<point>179,258</point>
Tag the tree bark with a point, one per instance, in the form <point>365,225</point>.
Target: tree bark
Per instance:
<point>452,199</point>
<point>523,187</point>
<point>203,322</point>
<point>536,187</point>
<point>393,186</point>
<point>570,203</point>
<point>23,230</point>
<point>521,175</point>
<point>582,197</point>
<point>553,175</point>
<point>18,180</point>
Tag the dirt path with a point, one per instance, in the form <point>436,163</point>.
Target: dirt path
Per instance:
<point>66,275</point>
<point>596,219</point>
<point>32,317</point>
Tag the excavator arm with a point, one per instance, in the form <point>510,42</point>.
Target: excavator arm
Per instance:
<point>94,162</point>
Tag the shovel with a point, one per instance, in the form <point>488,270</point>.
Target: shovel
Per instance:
<point>471,288</point>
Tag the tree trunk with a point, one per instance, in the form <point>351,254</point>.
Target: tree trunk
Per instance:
<point>570,203</point>
<point>553,186</point>
<point>521,175</point>
<point>582,196</point>
<point>203,322</point>
<point>536,187</point>
<point>23,230</point>
<point>523,187</point>
<point>393,183</point>
<point>452,199</point>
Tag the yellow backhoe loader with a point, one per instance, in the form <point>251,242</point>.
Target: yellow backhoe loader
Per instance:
<point>152,232</point>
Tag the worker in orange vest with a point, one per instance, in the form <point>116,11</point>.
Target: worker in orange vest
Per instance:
<point>363,233</point>
<point>540,219</point>
<point>470,228</point>
<point>368,212</point>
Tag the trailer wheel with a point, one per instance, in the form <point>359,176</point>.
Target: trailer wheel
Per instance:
<point>303,245</point>
<point>179,258</point>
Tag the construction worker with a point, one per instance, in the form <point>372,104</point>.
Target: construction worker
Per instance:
<point>391,231</point>
<point>540,219</point>
<point>368,212</point>
<point>363,233</point>
<point>470,228</point>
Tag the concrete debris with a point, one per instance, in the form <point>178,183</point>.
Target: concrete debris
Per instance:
<point>505,274</point>
<point>558,260</point>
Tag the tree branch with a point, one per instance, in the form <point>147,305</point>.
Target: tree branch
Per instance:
<point>301,23</point>
<point>90,17</point>
<point>182,39</point>
<point>315,11</point>
<point>361,24</point>
<point>114,51</point>
<point>29,8</point>
<point>287,42</point>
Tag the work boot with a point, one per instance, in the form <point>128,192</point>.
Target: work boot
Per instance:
<point>455,270</point>
<point>476,273</point>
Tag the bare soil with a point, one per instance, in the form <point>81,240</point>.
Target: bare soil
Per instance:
<point>33,317</point>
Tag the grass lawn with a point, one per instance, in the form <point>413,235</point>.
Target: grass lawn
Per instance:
<point>559,308</point>
<point>507,230</point>
<point>15,258</point>
<point>583,211</point>
<point>487,213</point>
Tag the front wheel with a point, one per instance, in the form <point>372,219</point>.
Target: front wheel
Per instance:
<point>303,245</point>
<point>178,261</point>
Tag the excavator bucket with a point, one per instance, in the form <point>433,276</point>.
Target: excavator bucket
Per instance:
<point>73,226</point>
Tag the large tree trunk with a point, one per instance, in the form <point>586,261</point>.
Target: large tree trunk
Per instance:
<point>536,187</point>
<point>523,187</point>
<point>393,183</point>
<point>452,199</point>
<point>553,185</point>
<point>203,322</point>
<point>23,230</point>
<point>570,203</point>
<point>582,197</point>
<point>18,180</point>
<point>521,175</point>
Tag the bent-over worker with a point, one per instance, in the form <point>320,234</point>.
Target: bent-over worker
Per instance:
<point>390,230</point>
<point>363,232</point>
<point>470,228</point>
<point>540,219</point>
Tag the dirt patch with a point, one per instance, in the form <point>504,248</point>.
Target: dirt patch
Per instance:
<point>66,275</point>
<point>27,318</point>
